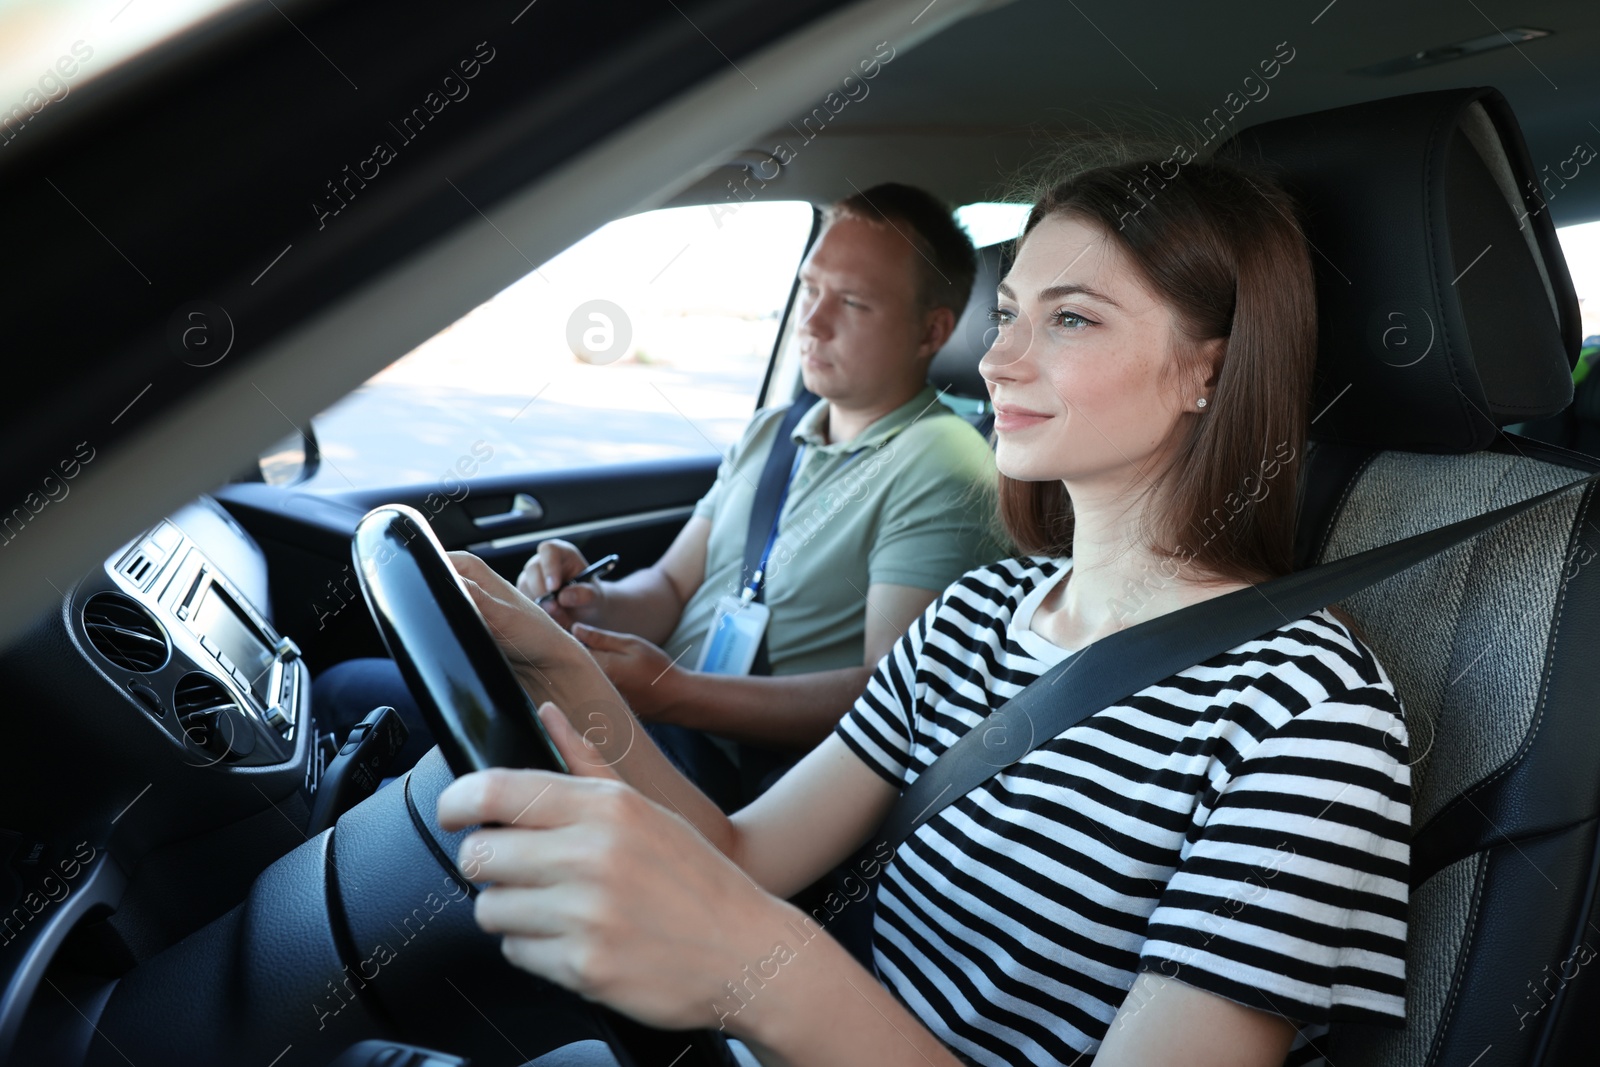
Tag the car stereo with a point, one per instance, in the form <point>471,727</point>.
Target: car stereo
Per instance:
<point>168,571</point>
<point>238,639</point>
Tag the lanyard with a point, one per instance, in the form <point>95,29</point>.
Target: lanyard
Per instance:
<point>753,590</point>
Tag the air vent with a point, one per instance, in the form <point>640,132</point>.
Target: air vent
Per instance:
<point>198,691</point>
<point>138,568</point>
<point>211,719</point>
<point>124,632</point>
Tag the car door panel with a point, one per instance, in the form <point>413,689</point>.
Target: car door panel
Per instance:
<point>507,515</point>
<point>634,510</point>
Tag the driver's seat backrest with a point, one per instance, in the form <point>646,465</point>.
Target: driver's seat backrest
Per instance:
<point>1446,312</point>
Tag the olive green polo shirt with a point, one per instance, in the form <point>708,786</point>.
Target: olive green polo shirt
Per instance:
<point>910,501</point>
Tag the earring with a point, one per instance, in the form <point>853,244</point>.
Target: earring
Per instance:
<point>1200,403</point>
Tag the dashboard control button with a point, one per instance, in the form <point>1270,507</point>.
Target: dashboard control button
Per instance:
<point>148,698</point>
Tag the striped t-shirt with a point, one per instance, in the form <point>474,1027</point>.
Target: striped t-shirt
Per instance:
<point>1242,826</point>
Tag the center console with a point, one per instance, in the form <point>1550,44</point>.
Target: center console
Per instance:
<point>166,623</point>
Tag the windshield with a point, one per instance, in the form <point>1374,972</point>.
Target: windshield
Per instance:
<point>50,47</point>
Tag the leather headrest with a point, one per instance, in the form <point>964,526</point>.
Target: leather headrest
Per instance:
<point>1444,304</point>
<point>955,366</point>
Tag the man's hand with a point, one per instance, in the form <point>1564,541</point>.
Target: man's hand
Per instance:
<point>557,561</point>
<point>642,673</point>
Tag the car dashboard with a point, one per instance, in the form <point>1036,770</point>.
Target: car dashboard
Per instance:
<point>167,624</point>
<point>161,753</point>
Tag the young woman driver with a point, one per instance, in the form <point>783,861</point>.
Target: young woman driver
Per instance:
<point>1209,872</point>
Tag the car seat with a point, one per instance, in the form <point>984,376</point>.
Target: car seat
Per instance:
<point>1578,426</point>
<point>1446,313</point>
<point>954,368</point>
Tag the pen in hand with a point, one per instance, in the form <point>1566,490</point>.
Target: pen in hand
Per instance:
<point>598,568</point>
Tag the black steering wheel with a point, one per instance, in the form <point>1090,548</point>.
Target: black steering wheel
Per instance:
<point>478,712</point>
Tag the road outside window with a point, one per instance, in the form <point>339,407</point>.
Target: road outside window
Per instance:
<point>1581,246</point>
<point>646,340</point>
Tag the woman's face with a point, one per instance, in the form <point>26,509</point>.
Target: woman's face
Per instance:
<point>1079,371</point>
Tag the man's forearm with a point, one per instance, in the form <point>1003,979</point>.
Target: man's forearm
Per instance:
<point>791,712</point>
<point>643,603</point>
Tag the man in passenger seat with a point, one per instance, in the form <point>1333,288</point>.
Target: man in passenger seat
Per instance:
<point>890,498</point>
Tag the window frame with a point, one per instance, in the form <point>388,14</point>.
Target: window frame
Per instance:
<point>779,371</point>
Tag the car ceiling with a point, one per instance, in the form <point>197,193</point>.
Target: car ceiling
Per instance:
<point>966,109</point>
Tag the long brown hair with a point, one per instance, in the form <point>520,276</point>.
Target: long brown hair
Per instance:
<point>1223,249</point>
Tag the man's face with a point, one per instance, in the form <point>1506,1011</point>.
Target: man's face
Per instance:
<point>864,339</point>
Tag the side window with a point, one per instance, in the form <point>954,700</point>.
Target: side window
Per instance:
<point>1581,245</point>
<point>989,222</point>
<point>648,339</point>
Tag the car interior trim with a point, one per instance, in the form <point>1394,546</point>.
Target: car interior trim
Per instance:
<point>582,529</point>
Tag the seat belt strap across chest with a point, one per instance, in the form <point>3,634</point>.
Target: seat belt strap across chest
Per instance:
<point>771,490</point>
<point>1120,665</point>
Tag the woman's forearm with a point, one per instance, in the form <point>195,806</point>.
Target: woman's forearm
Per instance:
<point>808,1003</point>
<point>552,666</point>
<point>576,685</point>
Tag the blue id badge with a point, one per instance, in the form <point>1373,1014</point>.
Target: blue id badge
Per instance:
<point>734,636</point>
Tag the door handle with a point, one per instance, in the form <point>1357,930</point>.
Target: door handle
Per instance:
<point>524,509</point>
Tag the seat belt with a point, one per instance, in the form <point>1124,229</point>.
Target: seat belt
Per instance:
<point>770,494</point>
<point>759,765</point>
<point>1121,664</point>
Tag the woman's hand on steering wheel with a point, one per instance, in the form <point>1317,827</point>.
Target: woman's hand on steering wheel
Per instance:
<point>602,891</point>
<point>548,661</point>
